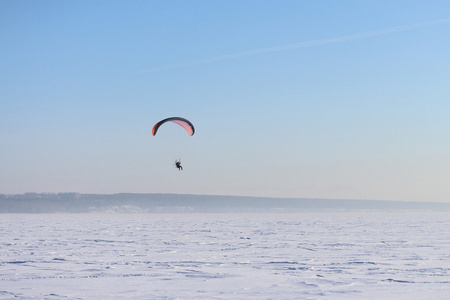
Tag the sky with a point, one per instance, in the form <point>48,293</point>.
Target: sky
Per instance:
<point>310,99</point>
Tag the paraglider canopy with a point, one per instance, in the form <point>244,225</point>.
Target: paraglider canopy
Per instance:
<point>186,124</point>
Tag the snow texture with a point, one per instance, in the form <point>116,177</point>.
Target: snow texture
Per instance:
<point>225,256</point>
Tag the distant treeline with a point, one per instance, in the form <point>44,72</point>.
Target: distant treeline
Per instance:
<point>82,203</point>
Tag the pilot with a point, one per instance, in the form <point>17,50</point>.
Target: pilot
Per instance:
<point>178,165</point>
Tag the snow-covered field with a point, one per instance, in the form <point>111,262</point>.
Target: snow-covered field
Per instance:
<point>225,256</point>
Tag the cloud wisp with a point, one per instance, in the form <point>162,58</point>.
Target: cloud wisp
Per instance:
<point>312,43</point>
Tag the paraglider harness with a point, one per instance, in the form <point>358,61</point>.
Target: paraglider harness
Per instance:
<point>178,165</point>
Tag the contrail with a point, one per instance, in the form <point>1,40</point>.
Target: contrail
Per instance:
<point>312,43</point>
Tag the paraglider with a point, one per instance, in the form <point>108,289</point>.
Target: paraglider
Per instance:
<point>186,124</point>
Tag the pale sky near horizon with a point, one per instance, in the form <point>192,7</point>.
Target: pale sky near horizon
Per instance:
<point>317,99</point>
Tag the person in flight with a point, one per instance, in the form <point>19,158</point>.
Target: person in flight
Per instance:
<point>178,165</point>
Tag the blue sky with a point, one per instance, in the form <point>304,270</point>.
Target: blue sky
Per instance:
<point>320,99</point>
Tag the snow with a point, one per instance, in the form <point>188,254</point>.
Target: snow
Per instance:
<point>362,255</point>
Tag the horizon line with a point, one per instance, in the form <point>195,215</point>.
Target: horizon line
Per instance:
<point>218,195</point>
